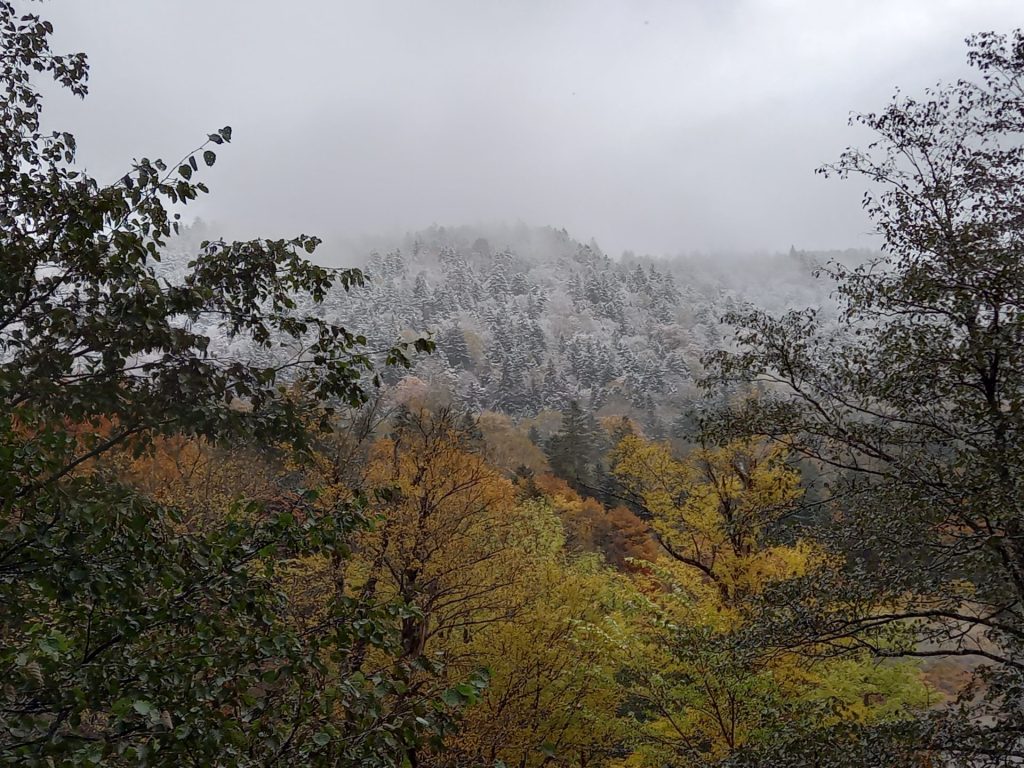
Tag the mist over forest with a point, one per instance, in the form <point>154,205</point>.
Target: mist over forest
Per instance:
<point>712,459</point>
<point>538,319</point>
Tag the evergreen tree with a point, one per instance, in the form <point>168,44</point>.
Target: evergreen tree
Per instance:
<point>421,289</point>
<point>481,247</point>
<point>623,428</point>
<point>555,391</point>
<point>509,395</point>
<point>468,429</point>
<point>519,285</point>
<point>637,280</point>
<point>498,282</point>
<point>536,302</point>
<point>574,452</point>
<point>452,341</point>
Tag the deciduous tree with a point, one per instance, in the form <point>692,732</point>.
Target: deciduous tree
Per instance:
<point>127,636</point>
<point>913,404</point>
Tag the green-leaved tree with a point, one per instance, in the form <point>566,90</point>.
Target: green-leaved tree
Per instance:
<point>914,405</point>
<point>127,636</point>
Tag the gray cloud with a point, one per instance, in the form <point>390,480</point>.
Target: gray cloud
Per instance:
<point>655,125</point>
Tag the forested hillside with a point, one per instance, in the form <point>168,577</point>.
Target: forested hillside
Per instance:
<point>498,499</point>
<point>529,319</point>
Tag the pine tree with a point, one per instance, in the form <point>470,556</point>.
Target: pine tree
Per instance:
<point>637,280</point>
<point>420,289</point>
<point>574,451</point>
<point>519,285</point>
<point>534,435</point>
<point>509,395</point>
<point>481,247</point>
<point>555,391</point>
<point>452,342</point>
<point>498,282</point>
<point>623,428</point>
<point>469,432</point>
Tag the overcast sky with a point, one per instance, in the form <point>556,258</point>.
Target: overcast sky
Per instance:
<point>659,126</point>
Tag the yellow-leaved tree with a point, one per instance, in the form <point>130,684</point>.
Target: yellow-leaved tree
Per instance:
<point>710,680</point>
<point>553,696</point>
<point>490,585</point>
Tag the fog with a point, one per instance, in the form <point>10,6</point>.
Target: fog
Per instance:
<point>659,127</point>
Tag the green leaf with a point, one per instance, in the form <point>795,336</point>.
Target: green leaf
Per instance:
<point>143,707</point>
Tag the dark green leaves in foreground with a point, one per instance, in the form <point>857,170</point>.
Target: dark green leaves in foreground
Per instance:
<point>130,634</point>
